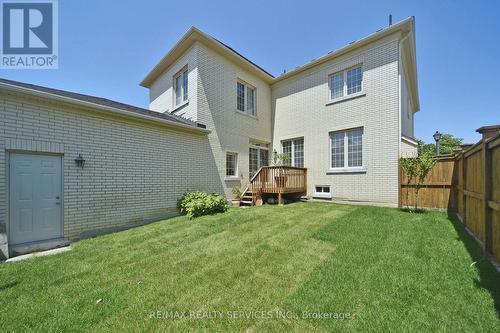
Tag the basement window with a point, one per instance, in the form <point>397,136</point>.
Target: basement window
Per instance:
<point>322,191</point>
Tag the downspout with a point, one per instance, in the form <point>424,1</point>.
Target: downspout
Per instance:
<point>400,68</point>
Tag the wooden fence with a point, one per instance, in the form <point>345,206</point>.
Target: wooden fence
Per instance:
<point>436,189</point>
<point>467,184</point>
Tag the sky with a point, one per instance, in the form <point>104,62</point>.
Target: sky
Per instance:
<point>107,47</point>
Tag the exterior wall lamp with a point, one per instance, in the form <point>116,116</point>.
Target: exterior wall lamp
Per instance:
<point>80,161</point>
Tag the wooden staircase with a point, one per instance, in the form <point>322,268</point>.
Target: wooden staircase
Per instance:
<point>247,198</point>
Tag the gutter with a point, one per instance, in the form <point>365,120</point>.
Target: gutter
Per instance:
<point>118,111</point>
<point>409,140</point>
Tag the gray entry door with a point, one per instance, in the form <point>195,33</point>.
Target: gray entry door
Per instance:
<point>35,198</point>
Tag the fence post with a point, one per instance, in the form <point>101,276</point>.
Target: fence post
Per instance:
<point>488,227</point>
<point>464,187</point>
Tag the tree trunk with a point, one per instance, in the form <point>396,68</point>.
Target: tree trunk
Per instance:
<point>408,195</point>
<point>416,198</point>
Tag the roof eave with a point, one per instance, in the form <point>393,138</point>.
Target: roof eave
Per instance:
<point>195,35</point>
<point>54,97</point>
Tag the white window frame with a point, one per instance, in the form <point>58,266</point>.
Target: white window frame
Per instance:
<point>322,193</point>
<point>236,168</point>
<point>292,153</point>
<point>345,95</point>
<point>245,99</point>
<point>346,168</point>
<point>184,90</point>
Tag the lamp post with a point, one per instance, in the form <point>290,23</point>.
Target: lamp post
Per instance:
<point>437,137</point>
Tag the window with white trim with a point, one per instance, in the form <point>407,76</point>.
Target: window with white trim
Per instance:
<point>346,148</point>
<point>181,87</point>
<point>322,191</point>
<point>345,83</point>
<point>245,98</point>
<point>231,165</point>
<point>295,150</point>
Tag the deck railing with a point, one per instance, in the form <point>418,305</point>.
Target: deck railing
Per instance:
<point>279,180</point>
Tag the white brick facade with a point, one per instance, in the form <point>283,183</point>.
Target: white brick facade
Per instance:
<point>299,107</point>
<point>134,170</point>
<point>302,110</point>
<point>212,101</point>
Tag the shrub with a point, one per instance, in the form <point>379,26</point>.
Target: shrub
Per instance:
<point>237,195</point>
<point>195,204</point>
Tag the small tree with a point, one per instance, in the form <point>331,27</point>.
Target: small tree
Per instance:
<point>425,162</point>
<point>416,169</point>
<point>409,166</point>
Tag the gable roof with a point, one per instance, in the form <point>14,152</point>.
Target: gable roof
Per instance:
<point>406,27</point>
<point>195,35</point>
<point>99,103</point>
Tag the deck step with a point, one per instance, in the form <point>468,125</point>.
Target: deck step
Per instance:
<point>247,198</point>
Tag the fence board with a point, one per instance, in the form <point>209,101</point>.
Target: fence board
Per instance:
<point>494,145</point>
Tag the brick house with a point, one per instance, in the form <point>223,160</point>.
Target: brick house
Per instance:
<point>71,164</point>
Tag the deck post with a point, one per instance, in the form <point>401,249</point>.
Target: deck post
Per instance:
<point>280,198</point>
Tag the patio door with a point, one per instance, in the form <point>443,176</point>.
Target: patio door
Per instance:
<point>258,155</point>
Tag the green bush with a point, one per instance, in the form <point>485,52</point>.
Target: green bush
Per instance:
<point>194,204</point>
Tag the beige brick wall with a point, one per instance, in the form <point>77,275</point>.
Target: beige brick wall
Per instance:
<point>134,170</point>
<point>301,110</point>
<point>214,97</point>
<point>298,107</point>
<point>408,149</point>
<point>161,93</point>
<point>231,130</point>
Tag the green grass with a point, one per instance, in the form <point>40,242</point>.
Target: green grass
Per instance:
<point>389,270</point>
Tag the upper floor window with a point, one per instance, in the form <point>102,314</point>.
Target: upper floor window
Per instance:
<point>245,98</point>
<point>347,148</point>
<point>347,82</point>
<point>181,86</point>
<point>295,151</point>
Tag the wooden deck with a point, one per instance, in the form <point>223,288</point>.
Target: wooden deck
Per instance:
<point>278,180</point>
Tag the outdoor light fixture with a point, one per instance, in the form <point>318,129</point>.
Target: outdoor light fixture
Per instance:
<point>437,137</point>
<point>80,161</point>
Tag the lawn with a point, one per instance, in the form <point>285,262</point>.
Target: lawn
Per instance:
<point>263,269</point>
